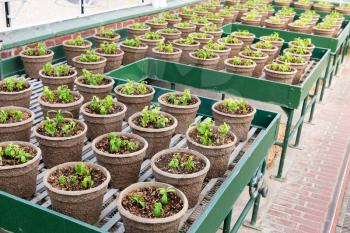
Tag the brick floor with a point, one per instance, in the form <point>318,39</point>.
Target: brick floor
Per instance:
<point>305,201</point>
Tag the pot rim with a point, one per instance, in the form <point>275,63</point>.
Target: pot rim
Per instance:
<point>89,44</point>
<point>149,40</point>
<point>127,155</point>
<point>150,130</point>
<point>36,57</point>
<point>217,57</point>
<point>105,38</point>
<point>180,176</point>
<point>253,58</point>
<point>30,88</point>
<point>207,38</point>
<point>294,71</point>
<point>75,72</point>
<point>160,100</point>
<point>227,62</point>
<point>151,23</point>
<point>293,64</point>
<point>133,96</point>
<point>82,109</point>
<point>60,105</point>
<point>143,46</point>
<point>251,35</point>
<point>78,83</point>
<point>10,125</point>
<point>220,40</point>
<point>226,50</point>
<point>103,60</point>
<point>175,42</point>
<point>190,27</point>
<point>274,49</point>
<point>201,29</point>
<point>80,192</point>
<point>231,115</point>
<point>139,29</point>
<point>275,41</point>
<point>179,51</point>
<point>119,54</point>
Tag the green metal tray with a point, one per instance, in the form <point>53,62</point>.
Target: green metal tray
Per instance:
<point>247,163</point>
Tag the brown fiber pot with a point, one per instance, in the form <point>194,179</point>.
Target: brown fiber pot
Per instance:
<point>300,67</point>
<point>186,17</point>
<point>283,3</point>
<point>100,40</point>
<point>158,139</point>
<point>305,56</point>
<point>302,29</point>
<point>155,27</point>
<point>216,35</point>
<point>218,22</point>
<point>114,61</point>
<point>101,124</point>
<point>255,22</point>
<point>136,224</point>
<point>235,48</point>
<point>124,168</point>
<point>33,64</point>
<point>19,131</point>
<point>238,69</point>
<point>132,54</point>
<point>73,107</point>
<point>247,40</point>
<point>20,180</point>
<point>342,10</point>
<point>302,5</point>
<point>218,155</point>
<point>189,184</point>
<point>72,51</point>
<point>241,13</point>
<point>185,114</point>
<point>89,91</point>
<point>317,7</point>
<point>270,52</point>
<point>280,26</point>
<point>85,205</point>
<point>282,77</point>
<point>53,82</point>
<point>186,50</point>
<point>203,41</point>
<point>57,150</point>
<point>309,48</point>
<point>223,56</point>
<point>198,25</point>
<point>210,63</point>
<point>169,37</point>
<point>323,32</point>
<point>260,63</point>
<point>229,18</point>
<point>151,44</point>
<point>240,124</point>
<point>94,67</point>
<point>132,32</point>
<point>185,31</point>
<point>174,56</point>
<point>277,43</point>
<point>133,103</point>
<point>17,98</point>
<point>172,22</point>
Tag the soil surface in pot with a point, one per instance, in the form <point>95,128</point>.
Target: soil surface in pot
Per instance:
<point>181,158</point>
<point>223,108</point>
<point>36,53</point>
<point>153,125</point>
<point>11,118</point>
<point>15,88</point>
<point>168,99</point>
<point>115,108</point>
<point>78,129</point>
<point>52,74</point>
<point>105,81</point>
<point>136,91</point>
<point>216,141</point>
<point>97,177</point>
<point>151,195</point>
<point>11,161</point>
<point>56,100</point>
<point>105,146</point>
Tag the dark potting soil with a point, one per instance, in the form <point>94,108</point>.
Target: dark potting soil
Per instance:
<point>136,92</point>
<point>56,100</point>
<point>4,89</point>
<point>114,109</point>
<point>52,74</point>
<point>223,108</point>
<point>216,141</point>
<point>96,175</point>
<point>191,102</point>
<point>151,196</point>
<point>163,161</point>
<point>8,161</point>
<point>78,129</point>
<point>152,125</point>
<point>105,81</point>
<point>104,146</point>
<point>12,119</point>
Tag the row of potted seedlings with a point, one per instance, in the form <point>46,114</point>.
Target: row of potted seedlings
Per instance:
<point>82,185</point>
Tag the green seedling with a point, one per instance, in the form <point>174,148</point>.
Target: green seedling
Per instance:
<point>199,20</point>
<point>241,33</point>
<point>198,35</point>
<point>87,182</point>
<point>238,61</point>
<point>210,27</point>
<point>139,26</point>
<point>253,53</point>
<point>183,99</point>
<point>109,48</point>
<point>158,209</point>
<point>106,33</point>
<point>15,152</point>
<point>102,106</point>
<point>169,30</point>
<point>152,36</point>
<point>91,78</point>
<point>5,115</point>
<point>275,19</point>
<point>187,41</point>
<point>165,48</point>
<point>223,130</point>
<point>264,45</point>
<point>189,164</point>
<point>138,199</point>
<point>39,50</point>
<point>289,58</point>
<point>116,143</point>
<point>153,116</point>
<point>81,169</point>
<point>132,42</point>
<point>184,24</point>
<point>132,87</point>
<point>77,41</point>
<point>205,130</point>
<point>272,37</point>
<point>167,15</point>
<point>14,84</point>
<point>204,54</point>
<point>280,67</point>
<point>174,163</point>
<point>89,56</point>
<point>231,40</point>
<point>164,192</point>
<point>62,180</point>
<point>187,11</point>
<point>158,20</point>
<point>56,71</point>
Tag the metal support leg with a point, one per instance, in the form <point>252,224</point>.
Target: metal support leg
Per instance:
<point>325,78</point>
<point>297,138</point>
<point>314,104</point>
<point>290,113</point>
<point>332,73</point>
<point>82,10</point>
<point>227,223</point>
<point>7,14</point>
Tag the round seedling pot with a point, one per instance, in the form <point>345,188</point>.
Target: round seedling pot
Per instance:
<point>99,124</point>
<point>151,44</point>
<point>94,67</point>
<point>202,41</point>
<point>89,91</point>
<point>73,107</point>
<point>323,32</point>
<point>33,64</point>
<point>223,54</point>
<point>16,98</point>
<point>345,11</point>
<point>185,114</point>
<point>124,168</point>
<point>217,155</point>
<point>277,76</point>
<point>185,17</point>
<point>247,40</point>
<point>229,18</point>
<point>134,103</point>
<point>279,26</point>
<point>235,48</point>
<point>155,26</point>
<point>185,31</point>
<point>100,40</point>
<point>114,61</point>
<point>310,48</point>
<point>260,63</point>
<point>210,63</point>
<point>173,56</point>
<point>137,224</point>
<point>168,37</point>
<point>186,50</point>
<point>132,54</point>
<point>306,56</point>
<point>57,150</point>
<point>133,32</point>
<point>189,183</point>
<point>158,139</point>
<point>255,22</point>
<point>283,3</point>
<point>20,179</point>
<point>85,205</point>
<point>55,81</point>
<point>172,22</point>
<point>302,29</point>
<point>218,22</point>
<point>72,51</point>
<point>216,35</point>
<point>300,5</point>
<point>270,52</point>
<point>317,7</point>
<point>277,43</point>
<point>300,67</point>
<point>239,69</point>
<point>18,131</point>
<point>239,123</point>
